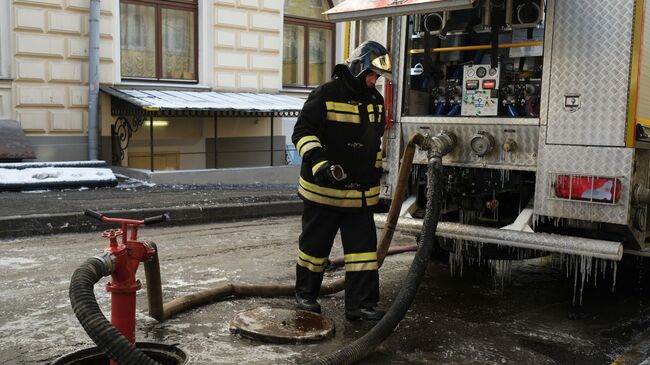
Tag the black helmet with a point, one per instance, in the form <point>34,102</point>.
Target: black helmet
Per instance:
<point>370,55</point>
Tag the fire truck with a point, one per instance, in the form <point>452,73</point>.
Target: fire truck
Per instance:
<point>549,103</point>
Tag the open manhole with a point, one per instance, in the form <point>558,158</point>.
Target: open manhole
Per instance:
<point>161,353</point>
<point>282,325</point>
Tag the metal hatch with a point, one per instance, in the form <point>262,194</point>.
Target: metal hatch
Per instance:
<point>365,9</point>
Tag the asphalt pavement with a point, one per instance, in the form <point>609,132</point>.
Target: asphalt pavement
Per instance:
<point>62,211</point>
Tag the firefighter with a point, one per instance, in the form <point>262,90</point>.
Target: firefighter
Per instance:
<point>338,136</point>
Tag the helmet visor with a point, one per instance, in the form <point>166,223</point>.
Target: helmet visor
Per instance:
<point>381,65</point>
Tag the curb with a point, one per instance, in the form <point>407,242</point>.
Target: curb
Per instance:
<point>45,224</point>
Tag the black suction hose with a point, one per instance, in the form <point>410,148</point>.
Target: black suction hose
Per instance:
<point>360,348</point>
<point>100,330</point>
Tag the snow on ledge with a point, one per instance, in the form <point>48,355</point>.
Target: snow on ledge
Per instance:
<point>55,174</point>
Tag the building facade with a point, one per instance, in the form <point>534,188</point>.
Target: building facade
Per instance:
<point>243,46</point>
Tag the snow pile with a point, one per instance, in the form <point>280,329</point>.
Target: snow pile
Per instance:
<point>52,174</point>
<point>71,174</point>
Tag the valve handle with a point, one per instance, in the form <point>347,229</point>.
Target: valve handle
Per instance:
<point>93,214</point>
<point>157,219</point>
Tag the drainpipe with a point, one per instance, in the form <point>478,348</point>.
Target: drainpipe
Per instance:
<point>93,80</point>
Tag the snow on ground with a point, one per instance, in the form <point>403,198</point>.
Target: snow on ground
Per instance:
<point>54,174</point>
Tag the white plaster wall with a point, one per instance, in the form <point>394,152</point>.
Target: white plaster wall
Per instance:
<point>247,44</point>
<point>50,63</point>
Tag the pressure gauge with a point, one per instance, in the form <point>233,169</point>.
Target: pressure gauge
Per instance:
<point>482,143</point>
<point>470,72</point>
<point>493,71</point>
<point>481,72</point>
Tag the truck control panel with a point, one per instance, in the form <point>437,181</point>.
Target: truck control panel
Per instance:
<point>480,90</point>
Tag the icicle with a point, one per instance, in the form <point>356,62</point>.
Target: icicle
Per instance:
<point>615,266</point>
<point>575,283</point>
<point>596,273</point>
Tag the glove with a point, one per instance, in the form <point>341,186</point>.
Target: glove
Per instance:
<point>323,175</point>
<point>329,173</point>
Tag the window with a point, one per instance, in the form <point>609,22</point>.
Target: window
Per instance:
<point>308,53</point>
<point>158,40</point>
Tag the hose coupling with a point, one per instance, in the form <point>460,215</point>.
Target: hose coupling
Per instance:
<point>108,260</point>
<point>439,145</point>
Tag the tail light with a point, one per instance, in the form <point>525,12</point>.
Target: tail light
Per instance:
<point>588,188</point>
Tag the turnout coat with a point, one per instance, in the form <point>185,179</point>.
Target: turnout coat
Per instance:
<point>341,122</point>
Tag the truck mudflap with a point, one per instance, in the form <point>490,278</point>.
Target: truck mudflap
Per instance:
<point>569,245</point>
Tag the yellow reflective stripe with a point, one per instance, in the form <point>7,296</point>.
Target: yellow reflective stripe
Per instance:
<point>371,118</point>
<point>360,257</point>
<point>378,164</point>
<point>316,166</point>
<point>314,260</point>
<point>361,266</point>
<point>371,108</point>
<point>380,107</point>
<point>373,200</point>
<point>311,267</point>
<point>341,203</point>
<point>308,142</point>
<point>308,148</point>
<point>311,263</point>
<point>336,202</point>
<point>338,193</point>
<point>379,155</point>
<point>341,117</point>
<point>341,107</point>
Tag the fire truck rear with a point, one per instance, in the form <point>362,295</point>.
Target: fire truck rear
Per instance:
<point>548,101</point>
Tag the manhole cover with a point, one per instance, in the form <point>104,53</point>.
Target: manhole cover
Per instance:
<point>281,325</point>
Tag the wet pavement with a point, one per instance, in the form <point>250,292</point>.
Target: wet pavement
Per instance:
<point>525,315</point>
<point>61,211</point>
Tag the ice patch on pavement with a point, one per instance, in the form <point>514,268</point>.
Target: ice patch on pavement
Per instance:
<point>174,284</point>
<point>18,263</point>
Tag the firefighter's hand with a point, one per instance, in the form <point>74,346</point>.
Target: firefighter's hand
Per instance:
<point>329,173</point>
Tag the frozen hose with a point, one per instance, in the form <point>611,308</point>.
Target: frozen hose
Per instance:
<point>511,110</point>
<point>360,348</point>
<point>98,328</point>
<point>398,197</point>
<point>455,110</point>
<point>440,109</point>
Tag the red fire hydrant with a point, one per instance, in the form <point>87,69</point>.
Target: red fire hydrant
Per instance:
<point>121,259</point>
<point>123,286</point>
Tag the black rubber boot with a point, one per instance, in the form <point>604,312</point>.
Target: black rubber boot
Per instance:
<point>307,304</point>
<point>364,314</point>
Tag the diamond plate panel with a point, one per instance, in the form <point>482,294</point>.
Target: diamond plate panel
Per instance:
<point>391,160</point>
<point>546,76</point>
<point>583,160</point>
<point>590,57</point>
<point>522,158</point>
<point>374,30</point>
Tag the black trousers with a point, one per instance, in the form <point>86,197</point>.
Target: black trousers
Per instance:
<point>359,237</point>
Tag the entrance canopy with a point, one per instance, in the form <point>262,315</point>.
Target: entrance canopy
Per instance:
<point>133,107</point>
<point>136,102</point>
<point>365,9</point>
